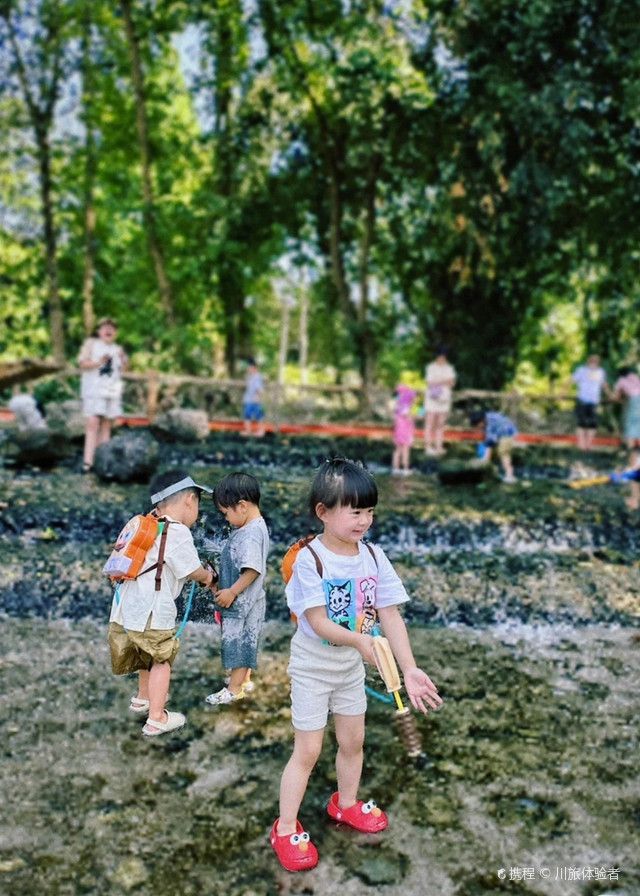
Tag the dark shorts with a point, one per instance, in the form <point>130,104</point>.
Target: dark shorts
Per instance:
<point>252,411</point>
<point>586,415</point>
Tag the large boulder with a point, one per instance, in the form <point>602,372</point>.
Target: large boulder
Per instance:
<point>181,425</point>
<point>128,457</point>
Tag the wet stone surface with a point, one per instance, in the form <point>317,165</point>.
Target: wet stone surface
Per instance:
<point>525,611</point>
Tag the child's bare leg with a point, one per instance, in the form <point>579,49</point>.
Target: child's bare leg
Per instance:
<point>589,435</point>
<point>633,501</point>
<point>237,678</point>
<point>405,453</point>
<point>349,758</point>
<point>439,432</point>
<point>507,465</point>
<point>295,777</point>
<point>143,684</point>
<point>428,431</point>
<point>104,430</point>
<point>92,426</point>
<point>159,676</point>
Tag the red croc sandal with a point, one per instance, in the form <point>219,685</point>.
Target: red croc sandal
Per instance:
<point>295,852</point>
<point>365,817</point>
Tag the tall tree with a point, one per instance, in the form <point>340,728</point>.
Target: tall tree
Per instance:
<point>38,65</point>
<point>349,71</point>
<point>535,131</point>
<point>149,205</point>
<point>90,173</point>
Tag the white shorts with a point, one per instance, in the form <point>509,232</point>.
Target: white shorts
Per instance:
<point>324,679</point>
<point>98,406</point>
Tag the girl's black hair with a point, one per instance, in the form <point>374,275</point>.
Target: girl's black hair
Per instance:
<point>236,487</point>
<point>342,483</point>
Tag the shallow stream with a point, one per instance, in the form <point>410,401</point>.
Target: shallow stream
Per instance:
<point>525,611</point>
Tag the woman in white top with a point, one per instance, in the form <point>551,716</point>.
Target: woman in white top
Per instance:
<point>440,380</point>
<point>101,361</point>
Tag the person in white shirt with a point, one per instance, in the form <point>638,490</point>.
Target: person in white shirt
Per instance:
<point>591,380</point>
<point>440,379</point>
<point>142,625</point>
<point>101,361</point>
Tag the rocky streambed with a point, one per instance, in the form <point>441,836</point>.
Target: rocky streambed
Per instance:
<point>525,611</point>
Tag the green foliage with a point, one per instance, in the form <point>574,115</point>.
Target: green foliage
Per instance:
<point>462,173</point>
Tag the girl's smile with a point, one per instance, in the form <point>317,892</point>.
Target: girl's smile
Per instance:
<point>344,526</point>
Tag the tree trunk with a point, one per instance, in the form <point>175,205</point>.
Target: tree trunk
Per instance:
<point>153,240</point>
<point>88,312</point>
<point>284,339</point>
<point>304,331</point>
<point>229,269</point>
<point>335,238</point>
<point>91,164</point>
<point>41,117</point>
<point>56,317</point>
<point>366,343</point>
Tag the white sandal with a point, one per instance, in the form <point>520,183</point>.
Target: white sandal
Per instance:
<point>174,721</point>
<point>139,705</point>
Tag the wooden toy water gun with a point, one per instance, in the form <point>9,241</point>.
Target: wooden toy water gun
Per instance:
<point>604,478</point>
<point>388,669</point>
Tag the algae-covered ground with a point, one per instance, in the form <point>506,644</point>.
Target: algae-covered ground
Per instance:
<point>524,610</point>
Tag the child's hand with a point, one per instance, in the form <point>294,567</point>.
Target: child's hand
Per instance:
<point>225,598</point>
<point>420,688</point>
<point>365,648</point>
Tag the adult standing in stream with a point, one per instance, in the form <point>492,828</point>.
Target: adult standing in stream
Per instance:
<point>440,379</point>
<point>591,380</point>
<point>102,361</point>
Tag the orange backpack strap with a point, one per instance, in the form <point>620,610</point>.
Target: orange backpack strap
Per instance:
<point>164,523</point>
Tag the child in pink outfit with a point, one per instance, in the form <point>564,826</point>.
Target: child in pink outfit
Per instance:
<point>403,430</point>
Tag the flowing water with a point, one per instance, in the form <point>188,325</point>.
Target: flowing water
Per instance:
<point>525,612</point>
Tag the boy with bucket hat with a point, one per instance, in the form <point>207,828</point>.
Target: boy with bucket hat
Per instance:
<point>142,625</point>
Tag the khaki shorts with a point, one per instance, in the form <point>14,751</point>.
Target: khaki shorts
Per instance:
<point>504,446</point>
<point>324,679</point>
<point>136,651</point>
